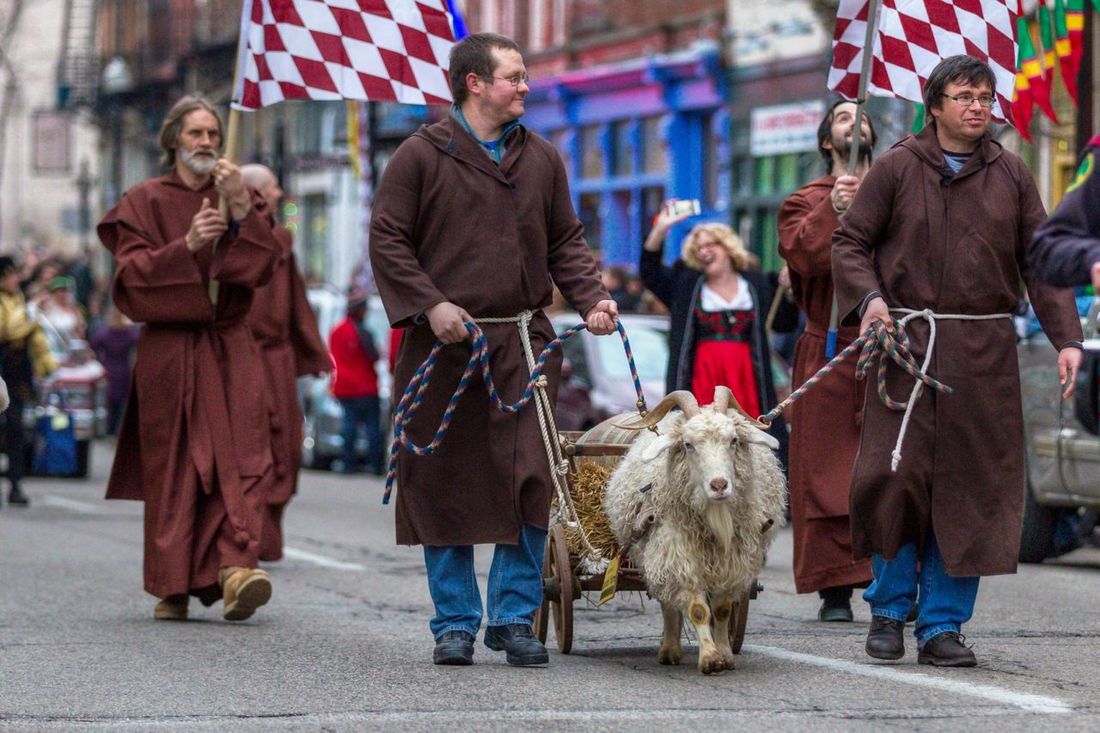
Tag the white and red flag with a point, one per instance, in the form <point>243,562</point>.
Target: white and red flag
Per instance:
<point>377,50</point>
<point>915,35</point>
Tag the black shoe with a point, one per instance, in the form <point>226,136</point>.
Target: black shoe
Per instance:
<point>835,611</point>
<point>454,647</point>
<point>17,497</point>
<point>947,650</point>
<point>885,640</point>
<point>520,646</point>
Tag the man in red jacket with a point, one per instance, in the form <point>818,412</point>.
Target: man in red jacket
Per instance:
<point>355,383</point>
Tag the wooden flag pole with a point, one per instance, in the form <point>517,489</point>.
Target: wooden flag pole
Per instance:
<point>853,149</point>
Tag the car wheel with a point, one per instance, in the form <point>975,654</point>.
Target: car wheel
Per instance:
<point>1037,532</point>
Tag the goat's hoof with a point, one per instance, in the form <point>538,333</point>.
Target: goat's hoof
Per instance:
<point>711,663</point>
<point>670,655</point>
<point>730,660</point>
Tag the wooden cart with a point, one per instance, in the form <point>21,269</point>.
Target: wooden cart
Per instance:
<point>562,585</point>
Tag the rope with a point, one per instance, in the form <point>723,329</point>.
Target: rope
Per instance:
<point>413,397</point>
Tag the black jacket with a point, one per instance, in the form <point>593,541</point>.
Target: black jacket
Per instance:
<point>678,288</point>
<point>1067,245</point>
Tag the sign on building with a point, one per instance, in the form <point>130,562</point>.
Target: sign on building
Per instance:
<point>785,128</point>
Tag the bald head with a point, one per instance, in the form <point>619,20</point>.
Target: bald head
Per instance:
<point>263,180</point>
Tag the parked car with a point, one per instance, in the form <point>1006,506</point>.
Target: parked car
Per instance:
<point>79,387</point>
<point>1063,458</point>
<point>322,413</point>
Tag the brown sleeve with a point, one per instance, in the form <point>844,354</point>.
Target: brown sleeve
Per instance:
<point>310,354</point>
<point>806,234</point>
<point>861,227</point>
<point>570,260</point>
<point>1055,307</point>
<point>247,257</point>
<point>405,287</point>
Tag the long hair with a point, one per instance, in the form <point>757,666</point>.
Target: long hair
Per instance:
<point>173,124</point>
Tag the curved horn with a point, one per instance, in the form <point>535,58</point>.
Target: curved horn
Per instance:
<point>680,398</point>
<point>724,401</point>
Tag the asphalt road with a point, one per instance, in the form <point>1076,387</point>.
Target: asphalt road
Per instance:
<point>344,643</point>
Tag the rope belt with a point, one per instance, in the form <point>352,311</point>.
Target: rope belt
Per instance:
<point>908,314</point>
<point>535,389</point>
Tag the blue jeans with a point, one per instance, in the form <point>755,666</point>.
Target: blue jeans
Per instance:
<point>944,604</point>
<point>515,584</point>
<point>361,411</point>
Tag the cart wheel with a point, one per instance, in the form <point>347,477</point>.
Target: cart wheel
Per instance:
<point>738,619</point>
<point>561,607</point>
<point>549,589</point>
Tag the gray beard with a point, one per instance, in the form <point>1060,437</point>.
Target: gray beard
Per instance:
<point>196,164</point>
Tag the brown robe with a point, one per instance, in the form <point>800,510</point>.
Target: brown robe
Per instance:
<point>450,225</point>
<point>194,443</point>
<point>825,422</point>
<point>925,239</point>
<point>291,346</point>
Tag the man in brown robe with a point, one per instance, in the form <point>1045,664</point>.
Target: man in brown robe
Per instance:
<point>825,422</point>
<point>194,444</point>
<point>285,328</point>
<point>473,219</point>
<point>938,234</point>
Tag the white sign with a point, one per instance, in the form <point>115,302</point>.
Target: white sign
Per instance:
<point>785,128</point>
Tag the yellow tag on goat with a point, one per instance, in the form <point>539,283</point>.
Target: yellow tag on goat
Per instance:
<point>610,581</point>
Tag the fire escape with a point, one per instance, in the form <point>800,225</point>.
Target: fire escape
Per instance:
<point>78,68</point>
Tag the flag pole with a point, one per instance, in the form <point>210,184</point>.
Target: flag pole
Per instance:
<point>232,133</point>
<point>853,149</point>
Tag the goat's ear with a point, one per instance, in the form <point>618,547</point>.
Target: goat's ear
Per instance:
<point>753,435</point>
<point>657,447</point>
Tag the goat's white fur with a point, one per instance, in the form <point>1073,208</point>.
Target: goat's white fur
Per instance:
<point>708,541</point>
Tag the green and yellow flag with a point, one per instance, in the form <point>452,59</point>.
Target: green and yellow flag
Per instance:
<point>1046,38</point>
<point>1063,45</point>
<point>1030,66</point>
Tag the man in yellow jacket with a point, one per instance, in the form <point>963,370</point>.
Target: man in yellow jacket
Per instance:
<point>24,355</point>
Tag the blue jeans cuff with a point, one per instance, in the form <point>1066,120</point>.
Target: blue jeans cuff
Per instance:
<point>456,627</point>
<point>926,634</point>
<point>510,620</point>
<point>890,614</point>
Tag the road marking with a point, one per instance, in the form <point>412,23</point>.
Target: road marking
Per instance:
<point>1031,703</point>
<point>294,553</point>
<point>80,507</point>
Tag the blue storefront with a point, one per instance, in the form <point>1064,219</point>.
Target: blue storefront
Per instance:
<point>633,135</point>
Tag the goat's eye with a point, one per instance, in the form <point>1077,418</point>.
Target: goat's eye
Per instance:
<point>688,447</point>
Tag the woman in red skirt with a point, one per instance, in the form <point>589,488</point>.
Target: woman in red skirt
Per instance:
<point>717,308</point>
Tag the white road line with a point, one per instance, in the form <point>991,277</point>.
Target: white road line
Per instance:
<point>1031,703</point>
<point>80,507</point>
<point>294,553</point>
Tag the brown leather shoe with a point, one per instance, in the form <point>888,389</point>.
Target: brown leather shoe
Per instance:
<point>243,591</point>
<point>947,650</point>
<point>172,608</point>
<point>885,638</point>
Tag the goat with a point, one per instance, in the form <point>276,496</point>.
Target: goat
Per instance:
<point>696,506</point>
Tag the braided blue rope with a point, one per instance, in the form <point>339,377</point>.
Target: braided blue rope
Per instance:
<point>413,395</point>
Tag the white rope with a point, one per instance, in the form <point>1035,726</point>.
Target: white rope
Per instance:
<point>559,466</point>
<point>908,314</point>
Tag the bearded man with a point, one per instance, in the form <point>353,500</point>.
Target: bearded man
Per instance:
<point>195,439</point>
<point>290,343</point>
<point>825,423</point>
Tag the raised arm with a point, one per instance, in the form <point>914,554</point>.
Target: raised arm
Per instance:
<point>806,234</point>
<point>853,243</point>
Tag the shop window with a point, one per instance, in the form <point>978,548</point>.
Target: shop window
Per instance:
<point>764,175</point>
<point>712,164</point>
<point>743,175</point>
<point>560,140</point>
<point>589,214</point>
<point>768,230</point>
<point>786,173</point>
<point>652,198</point>
<point>622,149</point>
<point>654,150</point>
<point>592,162</point>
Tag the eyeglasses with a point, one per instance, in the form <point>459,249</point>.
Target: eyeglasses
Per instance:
<point>965,100</point>
<point>515,80</point>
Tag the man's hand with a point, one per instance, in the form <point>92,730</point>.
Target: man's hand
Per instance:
<point>206,226</point>
<point>844,190</point>
<point>448,322</point>
<point>230,184</point>
<point>1096,278</point>
<point>602,318</point>
<point>1069,361</point>
<point>876,311</point>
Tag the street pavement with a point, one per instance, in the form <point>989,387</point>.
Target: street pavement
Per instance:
<point>344,643</point>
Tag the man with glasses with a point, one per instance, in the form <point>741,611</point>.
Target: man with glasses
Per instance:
<point>934,243</point>
<point>473,220</point>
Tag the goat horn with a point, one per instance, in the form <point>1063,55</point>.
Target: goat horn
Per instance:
<point>680,398</point>
<point>724,401</point>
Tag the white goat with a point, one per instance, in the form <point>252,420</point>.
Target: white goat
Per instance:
<point>697,505</point>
